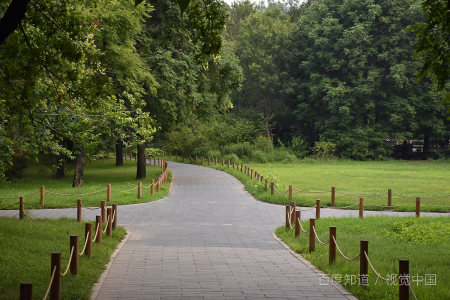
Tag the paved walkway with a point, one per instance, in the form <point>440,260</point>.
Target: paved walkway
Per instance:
<point>209,239</point>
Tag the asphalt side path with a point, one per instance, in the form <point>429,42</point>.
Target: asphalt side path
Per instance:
<point>209,239</point>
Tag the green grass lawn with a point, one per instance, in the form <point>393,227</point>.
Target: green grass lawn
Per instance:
<point>425,242</point>
<point>411,178</point>
<point>97,175</point>
<point>25,256</point>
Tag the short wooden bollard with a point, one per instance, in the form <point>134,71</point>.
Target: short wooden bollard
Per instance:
<point>114,223</point>
<point>297,223</point>
<point>26,291</point>
<point>158,183</point>
<point>245,169</point>
<point>272,188</point>
<point>389,197</point>
<point>361,207</point>
<point>74,261</point>
<point>139,190</point>
<point>98,220</point>
<point>108,193</point>
<point>88,236</point>
<point>332,247</point>
<point>103,210</point>
<point>42,196</point>
<point>109,154</point>
<point>318,209</point>
<point>418,207</point>
<point>333,196</point>
<point>209,161</point>
<point>294,212</point>
<point>266,185</point>
<point>363,264</point>
<point>55,288</point>
<point>403,280</point>
<point>290,192</point>
<point>131,155</point>
<point>241,167</point>
<point>79,209</point>
<point>154,159</point>
<point>21,208</point>
<point>288,221</point>
<point>228,163</point>
<point>152,189</point>
<point>109,224</point>
<point>248,171</point>
<point>125,155</point>
<point>312,237</point>
<point>262,178</point>
<point>251,174</point>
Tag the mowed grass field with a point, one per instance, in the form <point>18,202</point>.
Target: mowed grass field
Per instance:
<point>358,179</point>
<point>97,175</point>
<point>425,242</point>
<point>25,256</point>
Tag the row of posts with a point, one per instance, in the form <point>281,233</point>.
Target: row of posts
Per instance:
<point>295,218</point>
<point>162,179</point>
<point>26,288</point>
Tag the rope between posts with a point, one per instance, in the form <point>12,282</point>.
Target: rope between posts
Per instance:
<point>308,208</point>
<point>4,207</point>
<point>84,248</point>
<point>361,196</point>
<point>376,273</point>
<point>76,194</point>
<point>107,222</point>
<point>315,233</point>
<point>311,192</point>
<point>68,265</point>
<point>412,291</point>
<point>21,196</point>
<point>342,254</point>
<point>50,285</point>
<point>421,197</point>
<point>280,192</point>
<point>88,207</point>
<point>289,218</point>
<point>341,207</point>
<point>96,232</point>
<point>301,227</point>
<point>124,191</point>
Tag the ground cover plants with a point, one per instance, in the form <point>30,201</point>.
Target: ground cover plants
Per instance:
<point>25,255</point>
<point>425,242</point>
<point>97,175</point>
<point>410,178</point>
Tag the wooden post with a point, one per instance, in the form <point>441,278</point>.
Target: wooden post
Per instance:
<point>332,248</point>
<point>98,229</point>
<point>312,237</point>
<point>125,155</point>
<point>109,154</point>
<point>158,183</point>
<point>318,209</point>
<point>403,280</point>
<point>288,222</point>
<point>114,223</point>
<point>293,214</point>
<point>108,193</point>
<point>361,207</point>
<point>109,224</point>
<point>26,291</point>
<point>131,155</point>
<point>103,208</point>
<point>389,197</point>
<point>228,163</point>
<point>115,154</point>
<point>363,264</point>
<point>241,168</point>
<point>170,155</point>
<point>266,188</point>
<point>88,235</point>
<point>262,178</point>
<point>79,209</point>
<point>290,192</point>
<point>55,289</point>
<point>154,159</point>
<point>245,169</point>
<point>333,196</point>
<point>74,261</point>
<point>417,207</point>
<point>21,208</point>
<point>42,196</point>
<point>234,165</point>
<point>251,176</point>
<point>209,161</point>
<point>272,188</point>
<point>153,187</point>
<point>139,190</point>
<point>297,223</point>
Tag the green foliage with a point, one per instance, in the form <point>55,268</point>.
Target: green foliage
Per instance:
<point>419,233</point>
<point>264,144</point>
<point>299,147</point>
<point>324,149</point>
<point>242,150</point>
<point>259,156</point>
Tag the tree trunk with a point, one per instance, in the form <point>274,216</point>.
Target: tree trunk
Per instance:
<point>79,169</point>
<point>119,153</point>
<point>426,143</point>
<point>141,162</point>
<point>12,17</point>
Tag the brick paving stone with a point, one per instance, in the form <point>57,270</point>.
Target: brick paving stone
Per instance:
<point>209,239</point>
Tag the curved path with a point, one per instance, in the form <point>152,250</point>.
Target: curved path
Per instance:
<point>209,239</point>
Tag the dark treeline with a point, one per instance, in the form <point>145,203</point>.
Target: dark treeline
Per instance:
<point>331,72</point>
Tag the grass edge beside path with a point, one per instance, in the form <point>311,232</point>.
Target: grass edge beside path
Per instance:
<point>25,256</point>
<point>308,199</point>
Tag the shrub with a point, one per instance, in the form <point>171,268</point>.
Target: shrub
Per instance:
<point>231,157</point>
<point>324,149</point>
<point>264,144</point>
<point>282,155</point>
<point>243,150</point>
<point>299,147</point>
<point>259,156</point>
<point>213,154</point>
